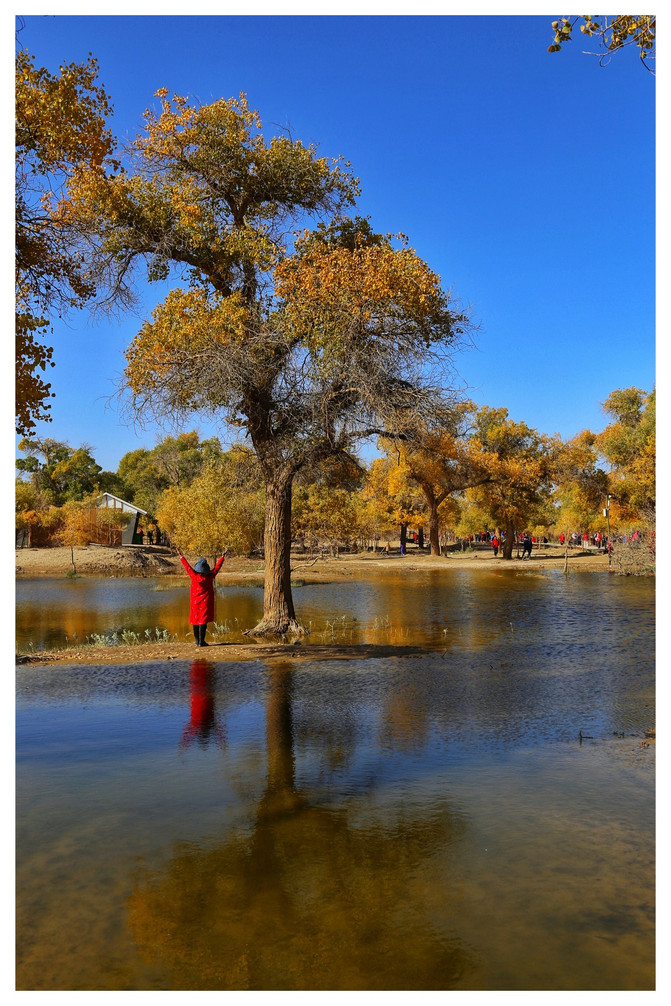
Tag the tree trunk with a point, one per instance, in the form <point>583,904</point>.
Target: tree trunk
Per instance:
<point>279,617</point>
<point>507,548</point>
<point>404,538</point>
<point>420,537</point>
<point>434,536</point>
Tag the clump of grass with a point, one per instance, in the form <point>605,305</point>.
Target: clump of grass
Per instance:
<point>222,629</point>
<point>127,637</point>
<point>338,627</point>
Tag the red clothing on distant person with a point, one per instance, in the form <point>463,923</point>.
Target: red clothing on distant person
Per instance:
<point>202,593</point>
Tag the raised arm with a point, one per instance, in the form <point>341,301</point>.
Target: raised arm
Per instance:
<point>186,565</point>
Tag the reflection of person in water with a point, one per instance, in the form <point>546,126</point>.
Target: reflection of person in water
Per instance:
<point>202,724</point>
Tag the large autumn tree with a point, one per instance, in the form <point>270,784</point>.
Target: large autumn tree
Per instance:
<point>303,346</point>
<point>60,124</point>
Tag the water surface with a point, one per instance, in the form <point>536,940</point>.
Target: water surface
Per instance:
<point>431,822</point>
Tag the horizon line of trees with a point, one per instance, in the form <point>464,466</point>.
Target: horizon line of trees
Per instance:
<point>481,471</point>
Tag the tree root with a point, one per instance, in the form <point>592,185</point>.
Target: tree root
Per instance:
<point>285,628</point>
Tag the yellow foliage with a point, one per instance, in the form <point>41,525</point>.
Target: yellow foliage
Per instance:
<point>60,124</point>
<point>328,291</point>
<point>212,514</point>
<point>185,325</point>
<point>610,32</point>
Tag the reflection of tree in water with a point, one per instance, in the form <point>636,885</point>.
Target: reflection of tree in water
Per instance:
<point>311,900</point>
<point>202,725</point>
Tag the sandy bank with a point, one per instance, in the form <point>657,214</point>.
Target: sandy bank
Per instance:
<point>96,560</point>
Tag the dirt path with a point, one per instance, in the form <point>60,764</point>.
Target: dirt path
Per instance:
<point>146,560</point>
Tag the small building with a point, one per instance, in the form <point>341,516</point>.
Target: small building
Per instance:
<point>129,534</point>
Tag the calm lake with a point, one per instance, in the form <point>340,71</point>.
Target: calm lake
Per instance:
<point>476,817</point>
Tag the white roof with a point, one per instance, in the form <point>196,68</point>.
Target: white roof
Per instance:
<point>124,504</point>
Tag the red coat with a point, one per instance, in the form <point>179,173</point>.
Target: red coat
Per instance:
<point>202,593</point>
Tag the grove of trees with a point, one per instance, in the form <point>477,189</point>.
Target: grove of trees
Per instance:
<point>485,472</point>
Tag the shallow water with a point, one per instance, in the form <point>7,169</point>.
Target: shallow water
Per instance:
<point>431,822</point>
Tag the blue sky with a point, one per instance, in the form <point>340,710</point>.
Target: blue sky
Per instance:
<point>525,179</point>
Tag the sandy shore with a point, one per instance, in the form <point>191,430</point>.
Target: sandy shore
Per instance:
<point>97,561</point>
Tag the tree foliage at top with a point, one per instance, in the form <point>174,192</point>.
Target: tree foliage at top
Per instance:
<point>60,124</point>
<point>610,33</point>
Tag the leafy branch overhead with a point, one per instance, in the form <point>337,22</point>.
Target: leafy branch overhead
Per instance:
<point>60,125</point>
<point>610,33</point>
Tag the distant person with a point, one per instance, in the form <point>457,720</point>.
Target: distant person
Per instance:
<point>201,609</point>
<point>495,546</point>
<point>140,534</point>
<point>562,538</point>
<point>527,545</point>
<point>150,536</point>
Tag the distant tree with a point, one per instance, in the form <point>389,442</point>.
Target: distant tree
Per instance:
<point>222,507</point>
<point>521,469</point>
<point>60,472</point>
<point>398,498</point>
<point>581,486</point>
<point>611,33</point>
<point>442,461</point>
<point>325,515</point>
<point>60,124</point>
<point>42,456</point>
<point>176,461</point>
<point>628,445</point>
<point>304,348</point>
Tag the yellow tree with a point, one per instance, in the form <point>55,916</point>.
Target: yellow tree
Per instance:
<point>521,465</point>
<point>398,500</point>
<point>628,445</point>
<point>75,522</point>
<point>581,486</point>
<point>442,461</point>
<point>323,513</point>
<point>304,349</point>
<point>60,124</point>
<point>222,508</point>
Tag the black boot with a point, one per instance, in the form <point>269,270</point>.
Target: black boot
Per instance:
<point>196,633</point>
<point>203,630</point>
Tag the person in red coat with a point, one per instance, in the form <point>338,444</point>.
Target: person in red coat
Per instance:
<point>202,595</point>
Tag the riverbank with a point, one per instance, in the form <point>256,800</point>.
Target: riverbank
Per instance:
<point>147,560</point>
